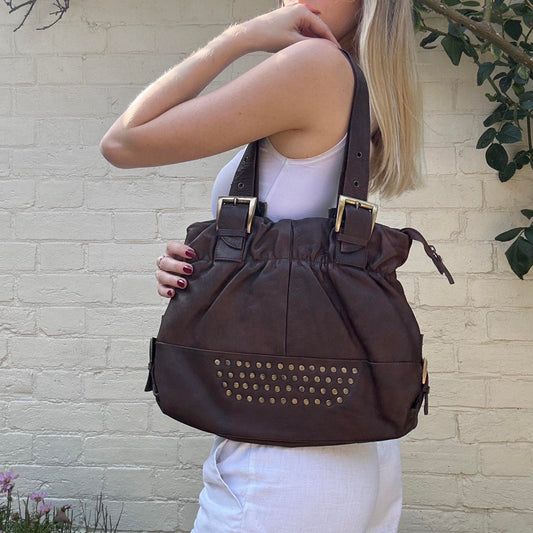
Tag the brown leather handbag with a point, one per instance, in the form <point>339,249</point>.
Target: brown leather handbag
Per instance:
<point>295,332</point>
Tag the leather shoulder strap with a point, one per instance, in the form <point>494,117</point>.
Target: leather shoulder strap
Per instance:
<point>355,173</point>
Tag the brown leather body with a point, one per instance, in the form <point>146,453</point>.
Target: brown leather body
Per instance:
<point>294,334</point>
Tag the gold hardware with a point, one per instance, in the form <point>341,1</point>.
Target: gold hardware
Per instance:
<point>306,401</point>
<point>350,381</point>
<point>238,396</point>
<point>344,370</point>
<point>252,204</point>
<point>230,374</point>
<point>268,365</point>
<point>217,362</point>
<point>322,369</point>
<point>333,369</point>
<point>354,370</point>
<point>239,363</point>
<point>228,362</point>
<point>228,393</point>
<point>242,375</point>
<point>346,391</point>
<point>219,373</point>
<point>424,371</point>
<point>261,399</point>
<point>339,400</point>
<point>247,364</point>
<point>343,200</point>
<point>339,380</point>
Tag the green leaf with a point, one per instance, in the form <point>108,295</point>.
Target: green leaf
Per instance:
<point>429,39</point>
<point>523,72</point>
<point>520,257</point>
<point>521,158</point>
<point>453,47</point>
<point>513,28</point>
<point>508,172</point>
<point>526,100</point>
<point>528,234</point>
<point>505,83</point>
<point>508,235</point>
<point>484,71</point>
<point>495,116</point>
<point>496,156</point>
<point>528,213</point>
<point>486,138</point>
<point>509,134</point>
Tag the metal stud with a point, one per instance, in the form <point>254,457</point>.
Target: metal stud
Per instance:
<point>228,362</point>
<point>291,367</point>
<point>267,386</point>
<point>317,401</point>
<point>301,388</point>
<point>306,401</point>
<point>224,384</point>
<point>350,381</point>
<point>328,379</point>
<point>277,388</point>
<point>219,373</point>
<point>339,380</point>
<point>323,390</point>
<point>306,379</point>
<point>322,369</point>
<point>334,391</point>
<point>288,388</point>
<point>245,385</point>
<point>294,401</point>
<point>280,366</point>
<point>217,362</point>
<point>236,385</point>
<point>238,396</point>
<point>344,370</point>
<point>328,402</point>
<point>228,393</point>
<point>311,389</point>
<point>339,400</point>
<point>249,398</point>
<point>261,399</point>
<point>284,377</point>
<point>252,375</point>
<point>295,378</point>
<point>230,374</point>
<point>345,391</point>
<point>272,400</point>
<point>262,376</point>
<point>242,375</point>
<point>268,365</point>
<point>354,370</point>
<point>333,369</point>
<point>301,367</point>
<point>247,364</point>
<point>255,386</point>
<point>312,368</point>
<point>258,365</point>
<point>238,363</point>
<point>317,379</point>
<point>274,377</point>
<point>283,401</point>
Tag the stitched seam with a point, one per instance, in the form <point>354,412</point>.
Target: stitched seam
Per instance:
<point>288,288</point>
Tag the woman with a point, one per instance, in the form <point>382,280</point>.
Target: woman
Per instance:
<point>298,102</point>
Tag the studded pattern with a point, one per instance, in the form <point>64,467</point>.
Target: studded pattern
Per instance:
<point>269,383</point>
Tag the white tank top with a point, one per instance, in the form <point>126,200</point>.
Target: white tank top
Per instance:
<point>292,188</point>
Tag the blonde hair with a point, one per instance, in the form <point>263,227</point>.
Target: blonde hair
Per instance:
<point>384,46</point>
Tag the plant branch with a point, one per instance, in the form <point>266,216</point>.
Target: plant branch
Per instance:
<point>482,29</point>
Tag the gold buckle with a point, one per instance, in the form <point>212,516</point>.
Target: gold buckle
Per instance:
<point>343,200</point>
<point>424,370</point>
<point>252,201</point>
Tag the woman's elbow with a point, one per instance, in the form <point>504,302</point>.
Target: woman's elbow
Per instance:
<point>115,153</point>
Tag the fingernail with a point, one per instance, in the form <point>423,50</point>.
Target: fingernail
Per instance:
<point>181,283</point>
<point>189,252</point>
<point>170,293</point>
<point>187,269</point>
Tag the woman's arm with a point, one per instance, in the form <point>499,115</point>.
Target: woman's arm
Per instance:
<point>168,123</point>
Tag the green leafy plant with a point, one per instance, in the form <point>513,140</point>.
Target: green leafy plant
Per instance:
<point>34,515</point>
<point>502,29</point>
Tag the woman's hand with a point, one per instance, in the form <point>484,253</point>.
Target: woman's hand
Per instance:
<point>275,30</point>
<point>170,269</point>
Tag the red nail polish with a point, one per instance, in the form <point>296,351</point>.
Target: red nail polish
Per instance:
<point>181,283</point>
<point>187,269</point>
<point>170,293</point>
<point>190,252</point>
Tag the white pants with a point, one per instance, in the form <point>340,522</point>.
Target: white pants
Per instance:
<point>253,488</point>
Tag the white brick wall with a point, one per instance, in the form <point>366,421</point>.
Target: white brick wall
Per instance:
<point>78,241</point>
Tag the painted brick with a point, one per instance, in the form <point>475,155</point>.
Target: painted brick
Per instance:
<point>68,225</point>
<point>135,226</point>
<point>136,479</point>
<point>194,450</point>
<point>500,293</point>
<point>445,129</point>
<point>449,390</point>
<point>114,385</point>
<point>505,521</point>
<point>134,38</point>
<point>17,193</point>
<point>174,225</point>
<point>495,425</point>
<point>127,353</point>
<point>5,226</point>
<point>431,490</point>
<point>510,392</point>
<point>513,193</point>
<point>133,322</point>
<point>440,458</point>
<point>497,493</point>
<point>506,459</point>
<point>5,101</point>
<point>136,290</point>
<point>60,131</point>
<point>180,483</point>
<point>61,320</point>
<point>123,257</point>
<point>59,70</point>
<point>452,325</point>
<point>433,292</point>
<point>15,446</point>
<point>57,449</point>
<point>127,417</point>
<point>17,256</point>
<point>188,39</point>
<point>438,425</point>
<point>68,417</point>
<point>471,160</point>
<point>509,325</point>
<point>137,194</point>
<point>7,284</point>
<point>441,521</point>
<point>145,515</point>
<point>16,70</point>
<point>17,132</point>
<point>187,515</point>
<point>440,356</point>
<point>133,12</point>
<point>211,12</point>
<point>60,256</point>
<point>436,224</point>
<point>34,352</point>
<point>113,450</point>
<point>437,96</point>
<point>495,359</point>
<point>18,320</point>
<point>57,385</point>
<point>485,225</point>
<point>65,289</point>
<point>59,193</point>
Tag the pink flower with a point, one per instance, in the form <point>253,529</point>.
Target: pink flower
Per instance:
<point>7,481</point>
<point>38,496</point>
<point>46,508</point>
